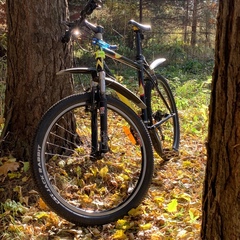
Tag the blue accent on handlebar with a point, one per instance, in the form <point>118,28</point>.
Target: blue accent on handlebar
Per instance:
<point>103,44</point>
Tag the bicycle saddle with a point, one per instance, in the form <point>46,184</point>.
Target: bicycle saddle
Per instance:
<point>140,26</point>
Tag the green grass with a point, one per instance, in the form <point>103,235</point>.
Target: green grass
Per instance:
<point>190,83</point>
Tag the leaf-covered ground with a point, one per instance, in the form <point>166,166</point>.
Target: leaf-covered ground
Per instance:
<point>171,210</point>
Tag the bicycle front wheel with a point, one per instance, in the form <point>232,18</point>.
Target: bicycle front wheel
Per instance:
<point>163,117</point>
<point>86,190</point>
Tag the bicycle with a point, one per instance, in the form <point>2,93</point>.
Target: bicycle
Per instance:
<point>92,157</point>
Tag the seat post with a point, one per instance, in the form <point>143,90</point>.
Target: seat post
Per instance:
<point>139,56</point>
<point>140,60</point>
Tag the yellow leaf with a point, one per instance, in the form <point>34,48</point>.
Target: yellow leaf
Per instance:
<point>146,226</point>
<point>94,171</point>
<point>40,215</point>
<point>15,228</point>
<point>185,196</point>
<point>187,164</point>
<point>103,172</point>
<point>135,212</point>
<point>123,224</point>
<point>194,214</point>
<point>172,206</point>
<point>14,175</point>
<point>159,200</point>
<point>119,234</point>
<point>120,223</point>
<point>124,176</point>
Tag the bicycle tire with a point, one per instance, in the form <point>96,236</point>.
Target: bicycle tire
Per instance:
<point>161,106</point>
<point>81,190</point>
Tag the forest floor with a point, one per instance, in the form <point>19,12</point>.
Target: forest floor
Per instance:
<point>171,210</point>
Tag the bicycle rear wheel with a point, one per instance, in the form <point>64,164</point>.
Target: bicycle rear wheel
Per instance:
<point>163,117</point>
<point>86,190</point>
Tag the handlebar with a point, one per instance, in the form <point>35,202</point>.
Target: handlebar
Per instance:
<point>87,10</point>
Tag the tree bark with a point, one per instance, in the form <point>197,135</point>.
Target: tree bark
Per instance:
<point>35,54</point>
<point>194,23</point>
<point>186,22</point>
<point>221,193</point>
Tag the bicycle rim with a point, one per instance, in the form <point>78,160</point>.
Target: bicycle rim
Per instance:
<point>90,191</point>
<point>164,128</point>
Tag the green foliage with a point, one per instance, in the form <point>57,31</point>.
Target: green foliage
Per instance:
<point>15,208</point>
<point>189,69</point>
<point>191,85</point>
<point>192,99</point>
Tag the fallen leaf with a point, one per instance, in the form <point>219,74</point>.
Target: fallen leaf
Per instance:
<point>103,172</point>
<point>8,167</point>
<point>25,166</point>
<point>146,226</point>
<point>135,211</point>
<point>123,224</point>
<point>194,214</point>
<point>172,206</point>
<point>119,234</point>
<point>182,233</point>
<point>42,205</point>
<point>15,228</point>
<point>14,175</point>
<point>40,215</point>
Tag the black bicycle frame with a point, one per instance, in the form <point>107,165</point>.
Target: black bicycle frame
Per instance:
<point>138,64</point>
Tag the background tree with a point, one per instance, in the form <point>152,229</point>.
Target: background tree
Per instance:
<point>2,28</point>
<point>194,23</point>
<point>221,195</point>
<point>35,53</point>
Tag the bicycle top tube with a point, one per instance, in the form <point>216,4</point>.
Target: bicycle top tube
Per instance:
<point>108,49</point>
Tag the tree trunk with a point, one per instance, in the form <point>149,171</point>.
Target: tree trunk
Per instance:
<point>186,22</point>
<point>194,23</point>
<point>35,54</point>
<point>221,194</point>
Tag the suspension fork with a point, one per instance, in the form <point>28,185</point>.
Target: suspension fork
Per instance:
<point>94,125</point>
<point>103,147</point>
